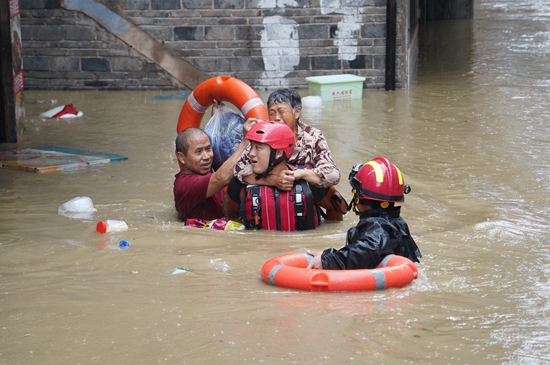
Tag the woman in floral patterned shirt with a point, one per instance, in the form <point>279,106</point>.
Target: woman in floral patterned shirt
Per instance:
<point>311,151</point>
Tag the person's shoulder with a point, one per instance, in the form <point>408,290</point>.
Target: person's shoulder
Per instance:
<point>310,130</point>
<point>234,189</point>
<point>235,184</point>
<point>183,175</point>
<point>193,178</point>
<point>306,127</point>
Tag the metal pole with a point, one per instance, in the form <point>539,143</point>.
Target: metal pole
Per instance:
<point>391,34</point>
<point>7,98</point>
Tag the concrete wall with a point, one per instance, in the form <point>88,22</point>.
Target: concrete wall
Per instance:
<point>448,9</point>
<point>266,43</point>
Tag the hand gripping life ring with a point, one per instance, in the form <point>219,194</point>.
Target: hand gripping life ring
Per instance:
<point>289,271</point>
<point>221,88</point>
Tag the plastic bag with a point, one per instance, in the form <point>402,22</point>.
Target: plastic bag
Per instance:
<point>225,130</point>
<point>218,264</point>
<point>80,207</point>
<point>220,224</point>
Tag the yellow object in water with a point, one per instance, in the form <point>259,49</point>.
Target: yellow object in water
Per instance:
<point>224,224</point>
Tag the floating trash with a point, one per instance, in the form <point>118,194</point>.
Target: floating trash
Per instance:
<point>312,102</point>
<point>179,270</point>
<point>64,111</point>
<point>182,95</point>
<point>218,264</point>
<point>111,225</point>
<point>79,207</point>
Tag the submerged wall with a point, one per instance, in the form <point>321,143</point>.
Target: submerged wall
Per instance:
<point>144,44</point>
<point>448,9</point>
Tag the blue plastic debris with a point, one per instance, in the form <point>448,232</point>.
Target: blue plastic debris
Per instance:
<point>182,95</point>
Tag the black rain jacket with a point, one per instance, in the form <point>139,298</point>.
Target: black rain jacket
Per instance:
<point>380,232</point>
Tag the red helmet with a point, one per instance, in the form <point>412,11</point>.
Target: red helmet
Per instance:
<point>379,180</point>
<point>275,134</point>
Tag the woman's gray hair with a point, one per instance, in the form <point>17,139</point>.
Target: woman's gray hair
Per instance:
<point>289,96</point>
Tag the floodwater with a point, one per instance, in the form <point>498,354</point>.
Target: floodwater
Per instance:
<point>471,137</point>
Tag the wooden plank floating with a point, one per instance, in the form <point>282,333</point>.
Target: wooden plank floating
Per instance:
<point>52,158</point>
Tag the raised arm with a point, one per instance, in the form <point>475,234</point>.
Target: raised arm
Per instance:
<point>222,176</point>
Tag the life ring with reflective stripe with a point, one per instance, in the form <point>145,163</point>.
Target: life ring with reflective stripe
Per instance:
<point>221,88</point>
<point>289,271</point>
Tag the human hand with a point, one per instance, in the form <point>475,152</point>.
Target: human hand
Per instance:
<point>249,124</point>
<point>299,174</point>
<point>315,263</point>
<point>215,105</point>
<point>307,175</point>
<point>284,181</point>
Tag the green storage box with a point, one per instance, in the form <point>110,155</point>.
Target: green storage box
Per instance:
<point>336,87</point>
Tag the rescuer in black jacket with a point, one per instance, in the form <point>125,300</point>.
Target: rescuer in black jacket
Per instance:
<point>376,187</point>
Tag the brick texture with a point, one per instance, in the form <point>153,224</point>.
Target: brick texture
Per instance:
<point>262,42</point>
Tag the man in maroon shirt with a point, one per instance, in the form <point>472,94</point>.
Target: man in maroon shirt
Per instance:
<point>198,192</point>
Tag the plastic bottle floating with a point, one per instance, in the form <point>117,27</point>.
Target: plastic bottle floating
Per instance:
<point>111,225</point>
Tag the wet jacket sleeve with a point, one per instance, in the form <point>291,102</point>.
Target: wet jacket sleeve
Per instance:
<point>364,249</point>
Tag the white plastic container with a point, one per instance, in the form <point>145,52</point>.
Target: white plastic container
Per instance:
<point>111,225</point>
<point>312,102</point>
<point>80,204</point>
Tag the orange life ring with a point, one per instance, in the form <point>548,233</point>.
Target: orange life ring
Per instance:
<point>289,271</point>
<point>221,88</point>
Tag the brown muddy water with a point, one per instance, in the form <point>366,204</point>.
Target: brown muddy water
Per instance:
<point>471,136</point>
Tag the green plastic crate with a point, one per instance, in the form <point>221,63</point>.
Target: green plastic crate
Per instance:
<point>336,87</point>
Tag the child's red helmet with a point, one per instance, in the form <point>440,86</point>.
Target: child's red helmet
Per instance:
<point>379,180</point>
<point>277,135</point>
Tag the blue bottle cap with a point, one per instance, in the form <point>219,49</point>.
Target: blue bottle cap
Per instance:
<point>123,243</point>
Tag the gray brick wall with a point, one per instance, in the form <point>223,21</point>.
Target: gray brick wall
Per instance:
<point>251,40</point>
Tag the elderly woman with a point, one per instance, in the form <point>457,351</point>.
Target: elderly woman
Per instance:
<point>311,150</point>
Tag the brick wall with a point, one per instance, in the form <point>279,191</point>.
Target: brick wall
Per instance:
<point>266,43</point>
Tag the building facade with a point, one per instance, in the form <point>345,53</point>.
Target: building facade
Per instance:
<point>168,44</point>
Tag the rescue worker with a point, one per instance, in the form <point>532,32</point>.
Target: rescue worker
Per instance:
<point>267,207</point>
<point>311,148</point>
<point>376,187</point>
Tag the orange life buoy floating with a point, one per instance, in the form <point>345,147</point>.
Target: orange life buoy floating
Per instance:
<point>289,271</point>
<point>221,88</point>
